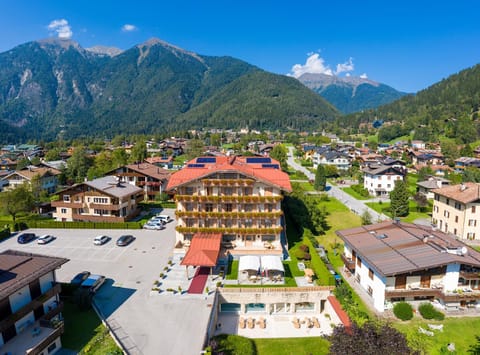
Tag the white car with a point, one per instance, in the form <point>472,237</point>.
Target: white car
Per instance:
<point>164,218</point>
<point>101,239</point>
<point>45,239</point>
<point>154,225</point>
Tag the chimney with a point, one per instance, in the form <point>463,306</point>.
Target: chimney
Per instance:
<point>462,187</point>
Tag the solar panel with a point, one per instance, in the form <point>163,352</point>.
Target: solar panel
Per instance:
<point>258,160</point>
<point>196,165</point>
<point>274,166</point>
<point>206,160</point>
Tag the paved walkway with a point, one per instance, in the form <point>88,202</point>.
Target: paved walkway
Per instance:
<point>199,280</point>
<point>356,206</point>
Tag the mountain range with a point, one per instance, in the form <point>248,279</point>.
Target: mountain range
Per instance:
<point>55,88</point>
<point>350,94</point>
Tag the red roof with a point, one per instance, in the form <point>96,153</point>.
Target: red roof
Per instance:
<point>265,172</point>
<point>337,307</point>
<point>204,250</point>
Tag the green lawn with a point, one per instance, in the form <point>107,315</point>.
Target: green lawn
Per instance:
<point>412,206</point>
<point>355,194</point>
<point>85,333</point>
<point>232,273</point>
<point>461,331</point>
<point>292,346</point>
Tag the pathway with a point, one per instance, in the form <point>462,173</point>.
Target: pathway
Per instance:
<point>199,280</point>
<point>356,206</point>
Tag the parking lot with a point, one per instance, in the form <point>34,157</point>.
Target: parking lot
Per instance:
<point>144,321</point>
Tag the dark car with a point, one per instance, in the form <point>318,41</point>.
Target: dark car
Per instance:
<point>80,277</point>
<point>26,238</point>
<point>124,240</point>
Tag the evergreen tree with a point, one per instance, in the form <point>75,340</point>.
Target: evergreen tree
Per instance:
<point>320,178</point>
<point>399,198</point>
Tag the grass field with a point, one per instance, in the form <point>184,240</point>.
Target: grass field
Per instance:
<point>461,331</point>
<point>412,206</point>
<point>355,194</point>
<point>85,333</point>
<point>292,346</point>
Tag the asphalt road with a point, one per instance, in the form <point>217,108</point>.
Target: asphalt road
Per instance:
<point>356,206</point>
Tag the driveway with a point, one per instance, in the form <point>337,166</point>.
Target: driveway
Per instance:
<point>145,322</point>
<point>356,206</point>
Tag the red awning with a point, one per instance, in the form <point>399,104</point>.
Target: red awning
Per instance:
<point>204,250</point>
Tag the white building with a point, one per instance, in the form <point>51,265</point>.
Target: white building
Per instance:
<point>379,179</point>
<point>396,261</point>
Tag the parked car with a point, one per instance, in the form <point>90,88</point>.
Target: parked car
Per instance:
<point>124,240</point>
<point>163,217</point>
<point>154,225</point>
<point>101,239</point>
<point>45,239</point>
<point>26,238</point>
<point>80,277</point>
<point>93,282</point>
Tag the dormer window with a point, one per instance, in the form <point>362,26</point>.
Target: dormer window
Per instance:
<point>66,198</point>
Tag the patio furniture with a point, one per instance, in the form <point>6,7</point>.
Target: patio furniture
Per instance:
<point>241,323</point>
<point>296,322</point>
<point>262,323</point>
<point>251,323</point>
<point>316,323</point>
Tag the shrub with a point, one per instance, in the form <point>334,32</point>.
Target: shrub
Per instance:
<point>403,311</point>
<point>307,256</point>
<point>304,248</point>
<point>299,254</point>
<point>429,312</point>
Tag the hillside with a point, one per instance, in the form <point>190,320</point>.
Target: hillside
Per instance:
<point>54,88</point>
<point>448,108</point>
<point>350,94</point>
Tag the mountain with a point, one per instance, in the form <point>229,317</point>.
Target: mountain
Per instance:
<point>52,88</point>
<point>449,108</point>
<point>350,94</point>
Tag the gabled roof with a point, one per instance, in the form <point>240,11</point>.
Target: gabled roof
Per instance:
<point>150,170</point>
<point>254,167</point>
<point>18,269</point>
<point>393,248</point>
<point>465,193</point>
<point>380,169</point>
<point>204,250</point>
<point>30,172</point>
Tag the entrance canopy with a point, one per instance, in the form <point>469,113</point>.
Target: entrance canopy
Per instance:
<point>249,262</point>
<point>272,262</point>
<point>204,250</point>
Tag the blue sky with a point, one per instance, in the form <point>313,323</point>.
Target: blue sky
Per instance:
<point>409,45</point>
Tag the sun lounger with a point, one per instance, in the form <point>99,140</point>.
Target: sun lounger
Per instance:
<point>316,323</point>
<point>436,327</point>
<point>241,323</point>
<point>251,323</point>
<point>296,322</point>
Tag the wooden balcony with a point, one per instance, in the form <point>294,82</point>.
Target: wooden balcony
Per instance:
<point>34,304</point>
<point>67,204</point>
<point>470,275</point>
<point>433,293</point>
<point>349,263</point>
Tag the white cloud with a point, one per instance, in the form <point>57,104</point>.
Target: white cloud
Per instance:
<point>314,65</point>
<point>61,28</point>
<point>345,67</point>
<point>364,76</point>
<point>129,28</point>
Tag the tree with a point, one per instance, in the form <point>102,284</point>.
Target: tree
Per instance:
<point>421,201</point>
<point>52,154</point>
<point>399,198</point>
<point>139,152</point>
<point>474,349</point>
<point>424,173</point>
<point>366,218</point>
<point>279,152</point>
<point>195,148</point>
<point>371,338</point>
<point>78,164</point>
<point>17,200</point>
<point>320,178</point>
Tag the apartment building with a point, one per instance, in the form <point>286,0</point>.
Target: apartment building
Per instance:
<point>101,200</point>
<point>379,179</point>
<point>30,306</point>
<point>395,261</point>
<point>456,210</point>
<point>235,198</point>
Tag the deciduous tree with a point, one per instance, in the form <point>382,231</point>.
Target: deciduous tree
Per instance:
<point>17,200</point>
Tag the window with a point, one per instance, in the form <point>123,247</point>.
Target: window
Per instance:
<point>189,190</point>
<point>472,222</point>
<point>188,206</point>
<point>52,347</point>
<point>370,274</point>
<point>268,207</point>
<point>102,200</point>
<point>470,236</point>
<point>458,206</point>
<point>473,209</point>
<point>359,262</point>
<point>437,197</point>
<point>209,191</point>
<point>447,201</point>
<point>66,198</point>
<point>455,231</point>
<point>209,207</point>
<point>456,220</point>
<point>228,191</point>
<point>446,214</point>
<point>63,210</point>
<point>228,207</point>
<point>370,290</point>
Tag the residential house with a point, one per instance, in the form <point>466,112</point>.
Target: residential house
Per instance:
<point>101,200</point>
<point>466,162</point>
<point>426,157</point>
<point>426,187</point>
<point>438,170</point>
<point>456,210</point>
<point>395,261</point>
<point>48,177</point>
<point>328,156</point>
<point>379,179</point>
<point>151,178</point>
<point>417,144</point>
<point>162,162</point>
<point>7,163</point>
<point>234,200</point>
<point>30,317</point>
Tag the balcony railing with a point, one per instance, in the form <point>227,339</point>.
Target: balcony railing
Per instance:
<point>434,293</point>
<point>349,263</point>
<point>34,304</point>
<point>470,275</point>
<point>45,342</point>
